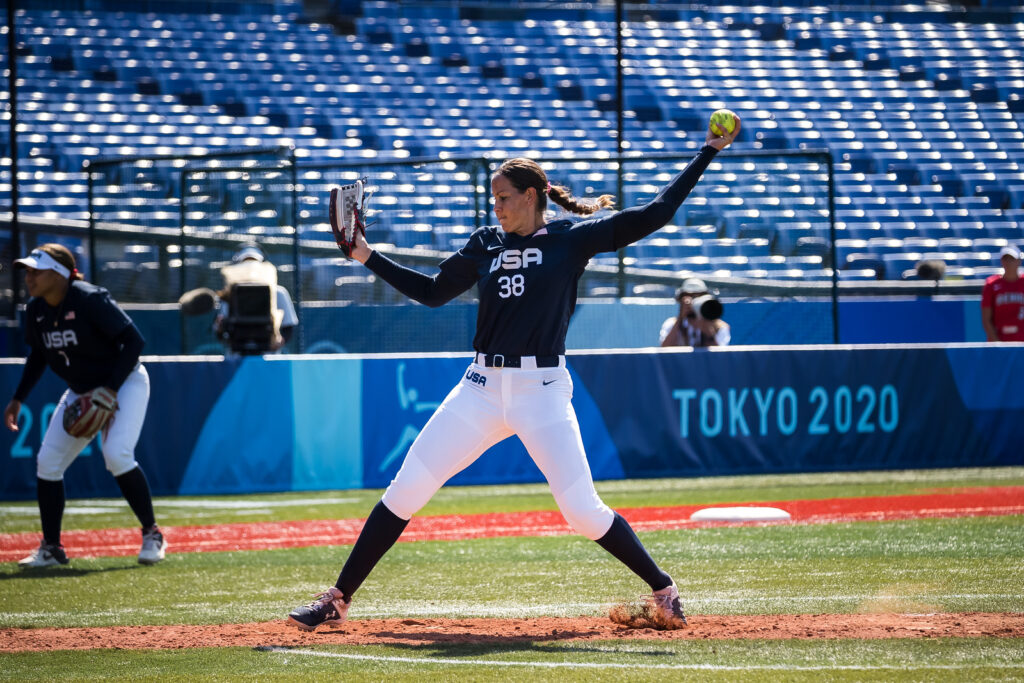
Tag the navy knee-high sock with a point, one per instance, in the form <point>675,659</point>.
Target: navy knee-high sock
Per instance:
<point>622,542</point>
<point>135,489</point>
<point>50,495</point>
<point>382,529</point>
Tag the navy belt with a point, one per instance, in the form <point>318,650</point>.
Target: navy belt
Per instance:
<point>498,360</point>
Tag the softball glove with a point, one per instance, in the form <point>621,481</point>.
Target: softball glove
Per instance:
<point>348,214</point>
<point>90,412</point>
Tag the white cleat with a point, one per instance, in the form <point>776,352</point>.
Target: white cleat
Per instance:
<point>154,547</point>
<point>46,555</point>
<point>667,609</point>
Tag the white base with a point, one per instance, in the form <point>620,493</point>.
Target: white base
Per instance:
<point>739,514</point>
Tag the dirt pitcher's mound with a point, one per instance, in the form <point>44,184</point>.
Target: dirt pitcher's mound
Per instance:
<point>426,631</point>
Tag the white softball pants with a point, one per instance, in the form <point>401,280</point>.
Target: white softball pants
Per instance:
<point>59,448</point>
<point>487,406</point>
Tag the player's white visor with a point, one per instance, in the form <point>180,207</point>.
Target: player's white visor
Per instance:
<point>40,260</point>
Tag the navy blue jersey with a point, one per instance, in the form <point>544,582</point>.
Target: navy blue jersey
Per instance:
<point>527,285</point>
<point>80,337</point>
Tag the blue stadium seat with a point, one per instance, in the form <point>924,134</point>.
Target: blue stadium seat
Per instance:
<point>916,110</point>
<point>859,274</point>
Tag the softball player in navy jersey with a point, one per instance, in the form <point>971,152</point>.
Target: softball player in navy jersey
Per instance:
<point>527,273</point>
<point>88,341</point>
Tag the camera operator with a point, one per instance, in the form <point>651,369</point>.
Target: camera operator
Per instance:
<point>699,322</point>
<point>250,268</point>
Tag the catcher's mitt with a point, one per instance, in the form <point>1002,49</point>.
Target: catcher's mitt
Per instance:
<point>348,214</point>
<point>90,412</point>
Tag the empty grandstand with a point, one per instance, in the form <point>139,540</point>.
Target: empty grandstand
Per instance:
<point>920,108</point>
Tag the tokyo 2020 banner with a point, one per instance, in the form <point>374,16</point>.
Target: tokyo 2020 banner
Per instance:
<point>331,422</point>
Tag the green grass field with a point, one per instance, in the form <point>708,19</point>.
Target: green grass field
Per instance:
<point>933,565</point>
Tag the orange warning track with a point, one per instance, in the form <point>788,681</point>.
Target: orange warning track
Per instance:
<point>972,502</point>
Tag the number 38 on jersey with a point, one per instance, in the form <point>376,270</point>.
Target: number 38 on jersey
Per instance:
<point>514,259</point>
<point>513,285</point>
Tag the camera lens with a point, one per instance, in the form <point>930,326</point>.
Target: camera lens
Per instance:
<point>708,307</point>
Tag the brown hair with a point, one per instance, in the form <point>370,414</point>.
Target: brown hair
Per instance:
<point>524,173</point>
<point>63,256</point>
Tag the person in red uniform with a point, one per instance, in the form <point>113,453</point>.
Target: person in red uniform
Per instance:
<point>1002,300</point>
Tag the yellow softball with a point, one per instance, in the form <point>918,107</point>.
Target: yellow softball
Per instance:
<point>723,122</point>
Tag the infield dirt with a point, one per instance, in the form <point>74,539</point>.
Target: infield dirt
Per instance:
<point>463,631</point>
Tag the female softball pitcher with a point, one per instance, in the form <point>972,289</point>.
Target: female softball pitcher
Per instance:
<point>85,338</point>
<point>527,273</point>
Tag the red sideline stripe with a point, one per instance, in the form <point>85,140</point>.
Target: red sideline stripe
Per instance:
<point>993,501</point>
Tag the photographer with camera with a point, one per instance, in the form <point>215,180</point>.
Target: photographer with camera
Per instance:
<point>699,323</point>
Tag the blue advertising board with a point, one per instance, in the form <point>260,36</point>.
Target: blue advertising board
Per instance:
<point>284,423</point>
